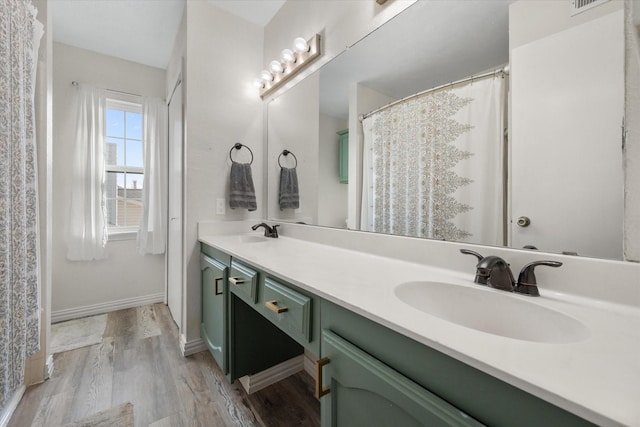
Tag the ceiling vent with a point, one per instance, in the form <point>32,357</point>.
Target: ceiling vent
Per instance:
<point>579,6</point>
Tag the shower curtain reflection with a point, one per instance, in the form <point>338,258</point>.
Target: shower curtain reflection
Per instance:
<point>418,177</point>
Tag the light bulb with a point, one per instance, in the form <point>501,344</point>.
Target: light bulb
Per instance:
<point>275,66</point>
<point>259,83</point>
<point>266,76</point>
<point>288,57</point>
<point>300,45</point>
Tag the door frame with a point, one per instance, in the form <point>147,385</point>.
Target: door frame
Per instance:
<point>180,318</point>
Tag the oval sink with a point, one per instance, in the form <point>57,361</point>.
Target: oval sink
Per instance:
<point>251,238</point>
<point>492,311</point>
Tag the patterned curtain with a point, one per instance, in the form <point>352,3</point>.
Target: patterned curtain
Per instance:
<point>19,274</point>
<point>433,165</point>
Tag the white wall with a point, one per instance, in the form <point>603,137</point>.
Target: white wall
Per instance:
<point>125,275</point>
<point>223,54</point>
<point>294,125</point>
<point>632,149</point>
<point>332,195</point>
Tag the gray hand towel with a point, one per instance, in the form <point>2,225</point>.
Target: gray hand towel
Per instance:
<point>242,194</point>
<point>289,197</point>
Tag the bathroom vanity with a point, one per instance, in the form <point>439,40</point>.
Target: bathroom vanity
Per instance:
<point>364,306</point>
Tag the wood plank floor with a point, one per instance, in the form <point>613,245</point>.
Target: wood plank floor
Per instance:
<point>139,362</point>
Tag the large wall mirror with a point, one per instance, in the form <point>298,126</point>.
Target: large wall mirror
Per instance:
<point>560,186</point>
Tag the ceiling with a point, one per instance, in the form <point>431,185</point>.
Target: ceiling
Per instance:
<point>141,31</point>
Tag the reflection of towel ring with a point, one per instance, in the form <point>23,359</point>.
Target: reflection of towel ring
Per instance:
<point>286,153</point>
<point>238,146</point>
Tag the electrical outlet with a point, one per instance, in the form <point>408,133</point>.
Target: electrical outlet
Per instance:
<point>220,206</point>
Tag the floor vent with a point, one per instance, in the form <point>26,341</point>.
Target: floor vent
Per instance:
<point>579,6</point>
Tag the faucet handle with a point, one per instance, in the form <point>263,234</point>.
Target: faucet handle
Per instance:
<point>274,227</point>
<point>470,252</point>
<point>480,277</point>
<point>527,283</point>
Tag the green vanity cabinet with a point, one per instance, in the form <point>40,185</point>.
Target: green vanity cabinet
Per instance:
<point>293,310</point>
<point>394,377</point>
<point>344,156</point>
<point>213,329</point>
<point>365,392</point>
<point>255,342</point>
<point>243,281</point>
<point>374,375</point>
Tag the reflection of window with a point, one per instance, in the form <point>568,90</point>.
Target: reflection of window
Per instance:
<point>123,165</point>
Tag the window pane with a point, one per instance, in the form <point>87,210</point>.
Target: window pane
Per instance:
<point>112,183</point>
<point>134,182</point>
<point>134,125</point>
<point>112,213</point>
<point>115,123</point>
<point>111,193</point>
<point>134,153</point>
<point>134,210</point>
<point>114,151</point>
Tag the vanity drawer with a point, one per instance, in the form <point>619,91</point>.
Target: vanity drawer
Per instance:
<point>243,281</point>
<point>288,309</point>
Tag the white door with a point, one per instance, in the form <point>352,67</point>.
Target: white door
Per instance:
<point>174,235</point>
<point>567,105</point>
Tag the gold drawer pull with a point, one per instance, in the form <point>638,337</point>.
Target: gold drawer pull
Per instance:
<point>273,306</point>
<point>236,280</point>
<point>319,390</point>
<point>215,290</point>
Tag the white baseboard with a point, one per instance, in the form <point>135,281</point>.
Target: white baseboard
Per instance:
<point>48,367</point>
<point>310,364</point>
<point>255,382</point>
<point>11,405</point>
<point>187,348</point>
<point>106,307</point>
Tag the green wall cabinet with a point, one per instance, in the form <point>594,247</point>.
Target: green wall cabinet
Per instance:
<point>214,308</point>
<point>344,156</point>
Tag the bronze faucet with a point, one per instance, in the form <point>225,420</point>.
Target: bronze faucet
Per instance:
<point>495,272</point>
<point>268,231</point>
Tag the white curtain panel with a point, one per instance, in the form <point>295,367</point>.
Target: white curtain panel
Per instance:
<point>87,233</point>
<point>152,232</point>
<point>434,165</point>
<point>20,35</point>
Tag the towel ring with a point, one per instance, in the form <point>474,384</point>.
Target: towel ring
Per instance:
<point>286,153</point>
<point>238,146</point>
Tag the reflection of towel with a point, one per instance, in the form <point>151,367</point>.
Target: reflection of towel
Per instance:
<point>243,194</point>
<point>289,198</point>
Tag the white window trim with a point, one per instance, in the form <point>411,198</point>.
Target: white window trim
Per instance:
<point>118,102</point>
<point>122,233</point>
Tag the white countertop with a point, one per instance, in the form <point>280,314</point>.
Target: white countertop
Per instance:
<point>597,378</point>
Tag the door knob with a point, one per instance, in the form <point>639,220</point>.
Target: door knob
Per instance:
<point>523,221</point>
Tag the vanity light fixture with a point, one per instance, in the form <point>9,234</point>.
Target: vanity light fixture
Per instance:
<point>266,76</point>
<point>292,62</point>
<point>276,67</point>
<point>301,45</point>
<point>288,57</point>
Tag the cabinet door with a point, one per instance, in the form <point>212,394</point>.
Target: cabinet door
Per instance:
<point>344,156</point>
<point>365,392</point>
<point>213,327</point>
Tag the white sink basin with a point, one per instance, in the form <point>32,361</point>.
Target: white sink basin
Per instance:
<point>251,238</point>
<point>492,311</point>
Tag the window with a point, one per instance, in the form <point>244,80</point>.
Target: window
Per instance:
<point>123,165</point>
